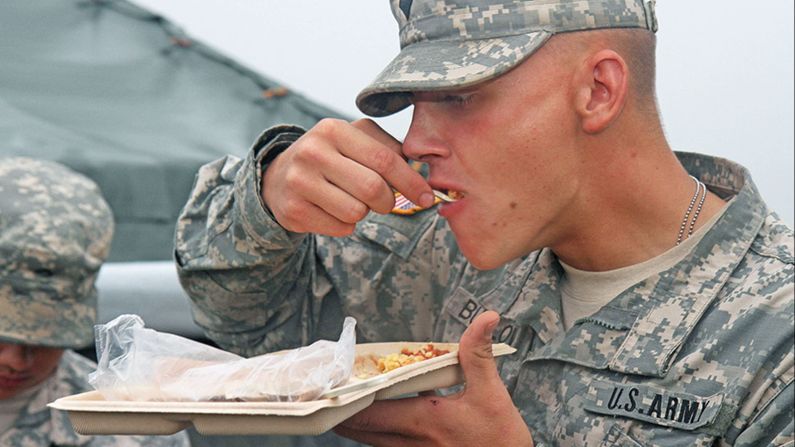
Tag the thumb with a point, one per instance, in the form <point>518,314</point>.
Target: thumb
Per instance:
<point>475,355</point>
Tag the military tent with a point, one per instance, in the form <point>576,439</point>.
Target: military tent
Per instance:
<point>127,98</point>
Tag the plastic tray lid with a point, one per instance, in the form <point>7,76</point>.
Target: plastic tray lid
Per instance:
<point>91,414</point>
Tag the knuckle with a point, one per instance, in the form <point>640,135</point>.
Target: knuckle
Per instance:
<point>364,123</point>
<point>311,153</point>
<point>483,352</point>
<point>294,179</point>
<point>327,127</point>
<point>382,160</point>
<point>355,213</point>
<point>372,189</point>
<point>360,211</point>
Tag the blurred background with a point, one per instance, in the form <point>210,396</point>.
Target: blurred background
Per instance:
<point>725,69</point>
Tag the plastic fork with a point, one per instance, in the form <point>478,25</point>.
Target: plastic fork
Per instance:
<point>444,197</point>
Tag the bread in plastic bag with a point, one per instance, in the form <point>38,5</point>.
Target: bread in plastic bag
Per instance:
<point>136,363</point>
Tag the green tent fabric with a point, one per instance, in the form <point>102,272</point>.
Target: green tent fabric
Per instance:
<point>125,97</point>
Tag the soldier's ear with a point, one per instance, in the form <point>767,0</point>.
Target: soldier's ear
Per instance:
<point>601,85</point>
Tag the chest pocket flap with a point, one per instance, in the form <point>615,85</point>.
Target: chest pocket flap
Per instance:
<point>398,234</point>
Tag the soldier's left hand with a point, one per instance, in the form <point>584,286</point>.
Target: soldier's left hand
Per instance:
<point>483,414</point>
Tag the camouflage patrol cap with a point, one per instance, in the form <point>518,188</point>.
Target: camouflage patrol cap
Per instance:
<point>55,232</point>
<point>447,44</point>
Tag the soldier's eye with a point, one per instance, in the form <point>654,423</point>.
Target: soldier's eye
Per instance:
<point>458,99</point>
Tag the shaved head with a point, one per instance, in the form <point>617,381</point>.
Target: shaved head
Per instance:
<point>636,46</point>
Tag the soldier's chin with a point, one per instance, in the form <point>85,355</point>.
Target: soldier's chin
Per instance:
<point>486,264</point>
<point>481,256</point>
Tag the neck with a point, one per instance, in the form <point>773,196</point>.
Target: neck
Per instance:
<point>629,206</point>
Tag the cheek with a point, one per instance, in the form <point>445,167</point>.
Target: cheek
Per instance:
<point>539,153</point>
<point>46,364</point>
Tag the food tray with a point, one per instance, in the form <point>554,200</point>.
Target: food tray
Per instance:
<point>91,414</point>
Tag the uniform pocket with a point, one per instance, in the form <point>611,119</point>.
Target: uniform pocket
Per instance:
<point>397,234</point>
<point>617,438</point>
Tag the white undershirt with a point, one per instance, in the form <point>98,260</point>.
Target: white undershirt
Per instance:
<point>583,293</point>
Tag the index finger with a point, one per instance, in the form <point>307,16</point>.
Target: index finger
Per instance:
<point>376,132</point>
<point>381,153</point>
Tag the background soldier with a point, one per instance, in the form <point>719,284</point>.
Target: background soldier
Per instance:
<point>649,293</point>
<point>55,232</point>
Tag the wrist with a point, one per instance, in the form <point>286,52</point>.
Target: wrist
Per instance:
<point>270,145</point>
<point>273,142</point>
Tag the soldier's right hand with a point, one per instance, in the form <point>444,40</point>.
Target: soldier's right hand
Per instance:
<point>337,172</point>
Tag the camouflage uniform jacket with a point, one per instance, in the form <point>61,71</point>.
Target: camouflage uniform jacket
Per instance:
<point>701,354</point>
<point>39,426</point>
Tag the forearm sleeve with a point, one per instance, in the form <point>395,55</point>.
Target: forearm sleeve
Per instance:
<point>256,287</point>
<point>241,269</point>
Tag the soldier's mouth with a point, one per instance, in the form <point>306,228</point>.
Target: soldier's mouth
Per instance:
<point>455,195</point>
<point>448,195</point>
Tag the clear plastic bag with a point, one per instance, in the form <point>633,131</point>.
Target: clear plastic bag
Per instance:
<point>136,363</point>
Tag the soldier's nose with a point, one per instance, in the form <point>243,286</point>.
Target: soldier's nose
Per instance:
<point>422,142</point>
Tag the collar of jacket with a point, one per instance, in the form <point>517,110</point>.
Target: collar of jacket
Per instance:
<point>69,379</point>
<point>641,330</point>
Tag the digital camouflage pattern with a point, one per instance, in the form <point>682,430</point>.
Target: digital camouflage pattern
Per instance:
<point>40,426</point>
<point>700,354</point>
<point>55,232</point>
<point>456,43</point>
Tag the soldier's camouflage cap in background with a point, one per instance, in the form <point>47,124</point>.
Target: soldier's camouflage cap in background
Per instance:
<point>448,44</point>
<point>55,232</point>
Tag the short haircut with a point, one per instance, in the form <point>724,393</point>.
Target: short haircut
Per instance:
<point>636,46</point>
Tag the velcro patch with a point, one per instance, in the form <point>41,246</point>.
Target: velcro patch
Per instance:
<point>652,404</point>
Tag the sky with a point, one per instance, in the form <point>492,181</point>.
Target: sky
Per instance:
<point>724,80</point>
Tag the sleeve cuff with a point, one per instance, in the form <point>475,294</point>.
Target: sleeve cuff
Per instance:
<point>256,218</point>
